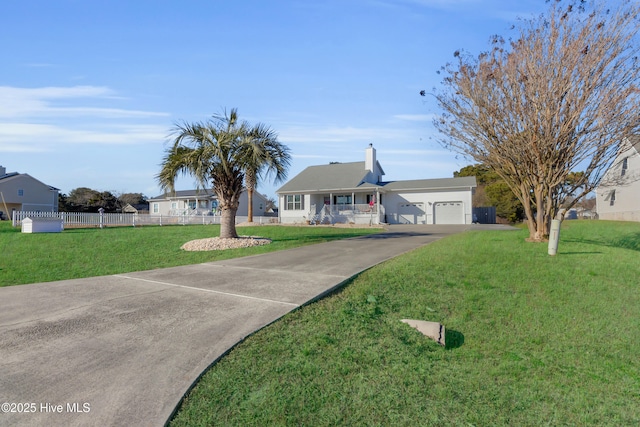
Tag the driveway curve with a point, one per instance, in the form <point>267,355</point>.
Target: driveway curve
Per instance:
<point>122,350</point>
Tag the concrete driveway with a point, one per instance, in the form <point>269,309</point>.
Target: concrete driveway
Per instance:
<point>122,350</point>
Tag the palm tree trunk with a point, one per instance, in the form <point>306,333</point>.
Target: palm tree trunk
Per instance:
<point>250,207</point>
<point>250,181</point>
<point>228,223</point>
<point>228,188</point>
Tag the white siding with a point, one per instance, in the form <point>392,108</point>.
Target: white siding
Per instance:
<point>23,192</point>
<point>396,206</point>
<point>166,206</point>
<point>623,189</point>
<point>294,216</point>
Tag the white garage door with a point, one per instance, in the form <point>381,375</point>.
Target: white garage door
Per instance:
<point>411,213</point>
<point>448,213</point>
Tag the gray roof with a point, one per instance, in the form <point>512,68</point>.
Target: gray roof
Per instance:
<point>18,174</point>
<point>431,184</point>
<point>9,175</point>
<point>181,194</point>
<point>201,193</point>
<point>334,176</point>
<point>351,176</point>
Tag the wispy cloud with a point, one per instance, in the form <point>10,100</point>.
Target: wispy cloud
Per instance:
<point>32,137</point>
<point>315,134</point>
<point>415,152</point>
<point>499,9</point>
<point>444,4</point>
<point>415,117</point>
<point>36,103</point>
<point>309,156</point>
<point>38,119</point>
<point>39,65</point>
<point>52,92</point>
<point>15,147</point>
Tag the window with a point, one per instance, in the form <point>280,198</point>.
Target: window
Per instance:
<point>625,166</point>
<point>174,205</point>
<point>294,202</point>
<point>21,192</point>
<point>342,200</point>
<point>612,198</point>
<point>156,208</point>
<point>192,204</point>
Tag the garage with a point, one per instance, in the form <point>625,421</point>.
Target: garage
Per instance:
<point>411,213</point>
<point>448,213</point>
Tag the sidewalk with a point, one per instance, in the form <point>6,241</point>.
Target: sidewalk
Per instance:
<point>122,350</point>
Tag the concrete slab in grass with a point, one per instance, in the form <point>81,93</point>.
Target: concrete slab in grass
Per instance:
<point>433,330</point>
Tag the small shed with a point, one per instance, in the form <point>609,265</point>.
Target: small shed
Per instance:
<point>42,225</point>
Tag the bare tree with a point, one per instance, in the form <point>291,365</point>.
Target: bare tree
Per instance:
<point>559,97</point>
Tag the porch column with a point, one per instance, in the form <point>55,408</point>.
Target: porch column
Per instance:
<point>378,211</point>
<point>331,204</point>
<point>353,201</point>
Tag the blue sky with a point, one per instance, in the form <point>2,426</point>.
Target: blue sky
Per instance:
<point>90,89</point>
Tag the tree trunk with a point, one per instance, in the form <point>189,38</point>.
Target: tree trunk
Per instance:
<point>250,207</point>
<point>539,235</point>
<point>531,221</point>
<point>228,187</point>
<point>534,222</point>
<point>228,223</point>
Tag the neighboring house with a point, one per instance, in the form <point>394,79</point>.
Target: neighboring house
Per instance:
<point>138,208</point>
<point>355,193</point>
<point>201,202</point>
<point>618,195</point>
<point>22,192</point>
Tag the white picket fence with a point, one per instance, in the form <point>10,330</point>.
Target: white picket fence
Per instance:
<point>84,219</point>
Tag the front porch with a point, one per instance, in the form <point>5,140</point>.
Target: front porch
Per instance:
<point>190,212</point>
<point>346,214</point>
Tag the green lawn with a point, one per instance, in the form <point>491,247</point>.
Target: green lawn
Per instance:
<point>532,340</point>
<point>43,257</point>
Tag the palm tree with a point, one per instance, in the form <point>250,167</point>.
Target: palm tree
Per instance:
<point>217,152</point>
<point>263,156</point>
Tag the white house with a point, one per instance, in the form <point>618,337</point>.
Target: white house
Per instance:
<point>618,195</point>
<point>355,193</point>
<point>22,192</point>
<point>199,202</point>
